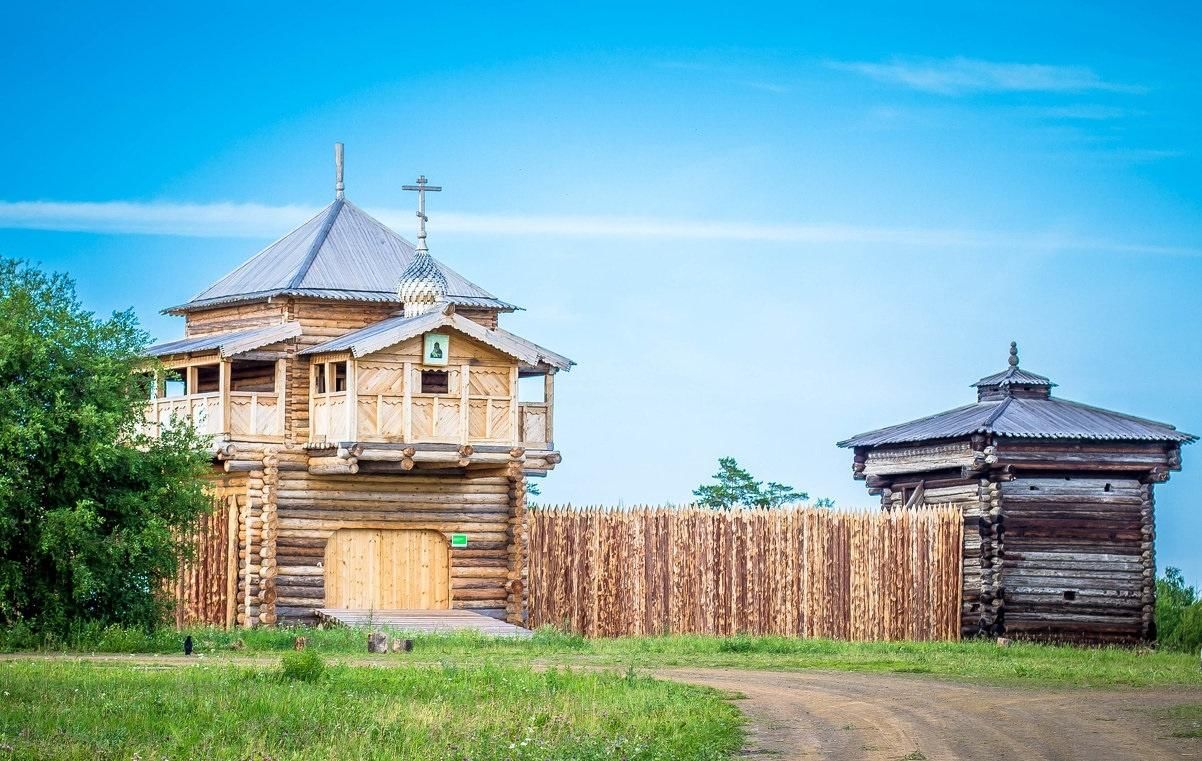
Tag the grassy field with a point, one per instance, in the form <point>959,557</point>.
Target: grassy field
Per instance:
<point>65,710</point>
<point>978,660</point>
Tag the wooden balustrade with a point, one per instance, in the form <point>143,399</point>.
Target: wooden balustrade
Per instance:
<point>426,418</point>
<point>250,413</point>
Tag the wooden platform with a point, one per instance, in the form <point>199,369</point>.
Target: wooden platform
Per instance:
<point>423,621</point>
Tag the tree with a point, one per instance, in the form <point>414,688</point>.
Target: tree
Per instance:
<point>532,490</point>
<point>1178,613</point>
<point>735,486</point>
<point>91,511</point>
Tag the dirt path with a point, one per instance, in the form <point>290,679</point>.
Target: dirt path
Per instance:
<point>845,716</point>
<point>825,715</point>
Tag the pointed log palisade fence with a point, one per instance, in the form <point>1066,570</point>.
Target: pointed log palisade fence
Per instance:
<point>205,583</point>
<point>800,572</point>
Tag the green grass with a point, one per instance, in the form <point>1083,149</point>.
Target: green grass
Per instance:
<point>71,710</point>
<point>977,659</point>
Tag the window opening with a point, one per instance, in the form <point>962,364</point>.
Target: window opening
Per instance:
<point>252,375</point>
<point>208,379</point>
<point>532,389</point>
<point>175,383</point>
<point>436,382</point>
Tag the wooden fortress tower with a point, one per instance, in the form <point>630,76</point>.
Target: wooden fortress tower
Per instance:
<point>1057,500</point>
<point>370,449</point>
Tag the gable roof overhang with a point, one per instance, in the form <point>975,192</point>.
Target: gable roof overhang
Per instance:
<point>227,344</point>
<point>394,330</point>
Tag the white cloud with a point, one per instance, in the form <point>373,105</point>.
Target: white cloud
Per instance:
<point>958,76</point>
<point>263,221</point>
<point>154,218</point>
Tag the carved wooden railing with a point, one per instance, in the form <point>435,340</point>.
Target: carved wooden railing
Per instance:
<point>251,413</point>
<point>426,418</point>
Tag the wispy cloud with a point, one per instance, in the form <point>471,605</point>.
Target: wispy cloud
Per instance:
<point>153,218</point>
<point>263,221</point>
<point>1080,112</point>
<point>959,76</point>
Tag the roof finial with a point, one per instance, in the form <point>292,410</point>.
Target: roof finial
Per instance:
<point>421,187</point>
<point>1014,353</point>
<point>338,187</point>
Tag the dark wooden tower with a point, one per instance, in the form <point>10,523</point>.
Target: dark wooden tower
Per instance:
<point>1057,499</point>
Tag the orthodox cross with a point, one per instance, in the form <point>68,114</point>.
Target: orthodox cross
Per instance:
<point>421,187</point>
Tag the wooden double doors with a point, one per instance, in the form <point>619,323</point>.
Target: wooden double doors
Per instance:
<point>388,569</point>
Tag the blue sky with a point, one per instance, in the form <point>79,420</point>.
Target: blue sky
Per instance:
<point>758,229</point>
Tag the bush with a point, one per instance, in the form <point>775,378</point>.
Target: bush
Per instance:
<point>1178,613</point>
<point>93,514</point>
<point>303,666</point>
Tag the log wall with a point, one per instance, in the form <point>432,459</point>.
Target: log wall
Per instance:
<point>485,576</point>
<point>815,573</point>
<point>320,321</point>
<point>1078,561</point>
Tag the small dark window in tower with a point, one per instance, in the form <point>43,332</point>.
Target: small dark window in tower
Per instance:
<point>1070,595</point>
<point>1107,488</point>
<point>319,377</point>
<point>339,376</point>
<point>435,382</point>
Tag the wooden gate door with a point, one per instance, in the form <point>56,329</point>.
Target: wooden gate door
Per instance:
<point>387,569</point>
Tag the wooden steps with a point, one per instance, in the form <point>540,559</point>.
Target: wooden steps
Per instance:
<point>423,621</point>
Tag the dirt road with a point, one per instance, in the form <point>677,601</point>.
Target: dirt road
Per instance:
<point>824,715</point>
<point>877,717</point>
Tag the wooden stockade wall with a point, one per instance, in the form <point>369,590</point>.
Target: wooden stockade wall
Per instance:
<point>804,572</point>
<point>204,588</point>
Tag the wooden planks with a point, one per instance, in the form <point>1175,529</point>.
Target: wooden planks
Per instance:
<point>815,573</point>
<point>387,569</point>
<point>422,621</point>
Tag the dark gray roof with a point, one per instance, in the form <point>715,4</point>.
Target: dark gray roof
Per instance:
<point>1018,403</point>
<point>1014,376</point>
<point>229,343</point>
<point>342,253</point>
<point>1049,418</point>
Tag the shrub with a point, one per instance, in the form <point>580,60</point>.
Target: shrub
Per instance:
<point>93,513</point>
<point>1178,613</point>
<point>303,666</point>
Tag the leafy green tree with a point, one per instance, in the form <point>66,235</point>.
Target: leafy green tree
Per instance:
<point>90,509</point>
<point>734,486</point>
<point>1178,613</point>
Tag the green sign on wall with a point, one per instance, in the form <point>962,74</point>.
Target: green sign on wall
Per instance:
<point>459,540</point>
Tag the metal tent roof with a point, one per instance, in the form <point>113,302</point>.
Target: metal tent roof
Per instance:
<point>1006,406</point>
<point>342,253</point>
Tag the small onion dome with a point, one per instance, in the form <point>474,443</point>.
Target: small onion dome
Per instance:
<point>422,285</point>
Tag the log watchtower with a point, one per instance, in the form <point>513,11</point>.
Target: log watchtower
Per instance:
<point>1057,499</point>
<point>370,448</point>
